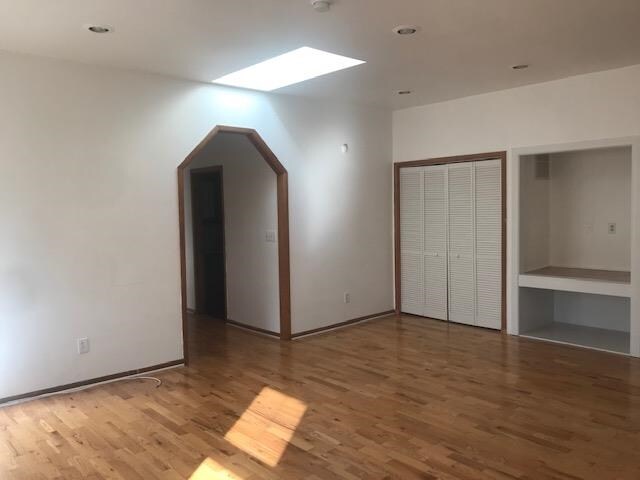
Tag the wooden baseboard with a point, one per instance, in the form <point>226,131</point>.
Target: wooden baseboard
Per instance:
<point>314,331</point>
<point>253,329</point>
<point>84,383</point>
<point>344,324</point>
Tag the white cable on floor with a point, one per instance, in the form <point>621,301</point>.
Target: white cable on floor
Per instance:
<point>84,387</point>
<point>155,379</point>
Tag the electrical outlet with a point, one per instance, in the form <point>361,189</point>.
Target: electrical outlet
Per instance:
<point>612,228</point>
<point>347,298</point>
<point>83,346</point>
<point>270,236</point>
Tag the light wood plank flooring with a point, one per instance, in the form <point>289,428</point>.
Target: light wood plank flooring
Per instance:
<point>399,397</point>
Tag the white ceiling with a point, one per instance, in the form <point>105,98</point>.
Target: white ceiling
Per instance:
<point>465,46</point>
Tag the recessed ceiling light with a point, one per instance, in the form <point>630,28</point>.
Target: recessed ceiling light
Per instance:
<point>405,92</point>
<point>99,28</point>
<point>321,6</point>
<point>406,29</point>
<point>522,66</point>
<point>293,67</point>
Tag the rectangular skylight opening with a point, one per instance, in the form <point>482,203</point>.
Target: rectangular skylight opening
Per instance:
<point>293,67</point>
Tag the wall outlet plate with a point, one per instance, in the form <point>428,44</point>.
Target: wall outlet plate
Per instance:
<point>612,228</point>
<point>347,298</point>
<point>83,346</point>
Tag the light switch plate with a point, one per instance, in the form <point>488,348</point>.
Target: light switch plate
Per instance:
<point>83,346</point>
<point>270,236</point>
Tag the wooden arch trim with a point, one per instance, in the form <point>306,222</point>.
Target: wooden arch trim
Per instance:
<point>282,181</point>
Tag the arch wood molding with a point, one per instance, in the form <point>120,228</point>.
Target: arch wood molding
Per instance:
<point>284,272</point>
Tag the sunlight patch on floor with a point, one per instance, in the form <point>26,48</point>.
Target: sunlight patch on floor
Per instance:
<point>267,426</point>
<point>212,470</point>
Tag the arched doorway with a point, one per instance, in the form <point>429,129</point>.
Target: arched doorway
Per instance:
<point>283,225</point>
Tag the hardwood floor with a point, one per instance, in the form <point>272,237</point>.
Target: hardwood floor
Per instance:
<point>399,397</point>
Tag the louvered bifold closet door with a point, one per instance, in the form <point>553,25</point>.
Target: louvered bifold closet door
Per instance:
<point>435,242</point>
<point>488,200</point>
<point>412,240</point>
<point>461,244</point>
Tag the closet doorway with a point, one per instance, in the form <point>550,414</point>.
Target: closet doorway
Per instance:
<point>450,239</point>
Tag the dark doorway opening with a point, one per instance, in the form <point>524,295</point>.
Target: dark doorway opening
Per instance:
<point>208,240</point>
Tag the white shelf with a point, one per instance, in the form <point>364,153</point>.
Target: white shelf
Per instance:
<point>580,285</point>
<point>581,336</point>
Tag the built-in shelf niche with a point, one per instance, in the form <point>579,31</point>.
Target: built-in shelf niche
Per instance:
<point>596,321</point>
<point>575,214</point>
<point>574,231</point>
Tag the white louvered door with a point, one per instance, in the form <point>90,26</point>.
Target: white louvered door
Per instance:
<point>412,240</point>
<point>435,242</point>
<point>462,279</point>
<point>488,213</point>
<point>451,242</point>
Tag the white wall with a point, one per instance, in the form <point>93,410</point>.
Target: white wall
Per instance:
<point>588,190</point>
<point>250,210</point>
<point>534,212</point>
<point>587,107</point>
<point>89,209</point>
<point>598,311</point>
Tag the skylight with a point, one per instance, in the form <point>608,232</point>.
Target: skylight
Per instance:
<point>292,67</point>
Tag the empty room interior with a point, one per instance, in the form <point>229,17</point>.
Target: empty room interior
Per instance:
<point>319,239</point>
